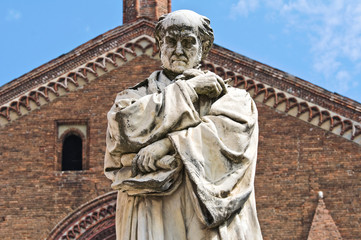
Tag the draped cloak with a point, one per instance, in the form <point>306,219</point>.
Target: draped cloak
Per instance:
<point>209,192</point>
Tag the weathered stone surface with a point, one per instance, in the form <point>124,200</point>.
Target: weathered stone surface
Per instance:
<point>182,146</point>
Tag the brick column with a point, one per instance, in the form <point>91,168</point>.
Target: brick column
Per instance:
<point>151,9</point>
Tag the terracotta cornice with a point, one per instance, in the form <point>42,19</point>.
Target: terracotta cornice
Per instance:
<point>74,58</point>
<point>291,84</point>
<point>284,101</point>
<point>140,43</point>
<point>266,85</point>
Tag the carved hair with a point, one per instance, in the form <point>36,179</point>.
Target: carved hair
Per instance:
<point>186,19</point>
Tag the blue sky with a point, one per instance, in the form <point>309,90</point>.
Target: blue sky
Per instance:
<point>316,40</point>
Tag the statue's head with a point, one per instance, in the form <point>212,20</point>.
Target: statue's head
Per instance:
<point>184,38</point>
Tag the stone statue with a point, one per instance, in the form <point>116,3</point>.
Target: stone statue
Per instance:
<point>182,145</point>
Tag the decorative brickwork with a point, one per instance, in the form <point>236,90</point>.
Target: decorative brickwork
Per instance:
<point>77,78</point>
<point>292,105</point>
<point>75,58</point>
<point>285,82</point>
<point>95,220</point>
<point>281,100</point>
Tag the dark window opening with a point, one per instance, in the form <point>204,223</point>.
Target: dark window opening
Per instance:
<point>72,153</point>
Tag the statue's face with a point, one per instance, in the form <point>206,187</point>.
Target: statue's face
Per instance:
<point>180,50</point>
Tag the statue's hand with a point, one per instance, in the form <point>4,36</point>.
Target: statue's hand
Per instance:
<point>191,73</point>
<point>209,84</point>
<point>145,160</point>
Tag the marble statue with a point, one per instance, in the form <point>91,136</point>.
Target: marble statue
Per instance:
<point>182,145</point>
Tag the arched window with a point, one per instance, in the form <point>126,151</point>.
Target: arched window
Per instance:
<point>72,153</point>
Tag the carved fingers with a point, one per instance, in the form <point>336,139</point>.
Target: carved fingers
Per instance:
<point>167,162</point>
<point>191,73</point>
<point>208,84</point>
<point>222,84</point>
<point>146,159</point>
<point>145,163</point>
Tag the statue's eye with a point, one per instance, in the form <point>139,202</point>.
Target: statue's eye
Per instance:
<point>170,41</point>
<point>188,42</point>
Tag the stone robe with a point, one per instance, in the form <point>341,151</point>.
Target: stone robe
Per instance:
<point>208,191</point>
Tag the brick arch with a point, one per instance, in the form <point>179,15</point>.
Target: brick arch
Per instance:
<point>71,131</point>
<point>95,220</point>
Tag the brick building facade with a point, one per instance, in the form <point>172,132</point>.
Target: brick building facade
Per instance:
<point>310,140</point>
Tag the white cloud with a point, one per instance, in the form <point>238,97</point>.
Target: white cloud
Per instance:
<point>244,7</point>
<point>343,75</point>
<point>331,27</point>
<point>344,81</point>
<point>335,30</point>
<point>13,15</point>
<point>326,63</point>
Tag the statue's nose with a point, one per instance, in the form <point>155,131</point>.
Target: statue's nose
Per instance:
<point>179,48</point>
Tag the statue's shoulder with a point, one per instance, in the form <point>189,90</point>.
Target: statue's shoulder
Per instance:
<point>147,83</point>
<point>136,91</point>
<point>143,83</point>
<point>237,91</point>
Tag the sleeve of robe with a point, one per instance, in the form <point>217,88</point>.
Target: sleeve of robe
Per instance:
<point>139,118</point>
<point>218,150</point>
<point>219,155</point>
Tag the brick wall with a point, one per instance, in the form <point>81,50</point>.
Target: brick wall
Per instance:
<point>296,160</point>
<point>34,197</point>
